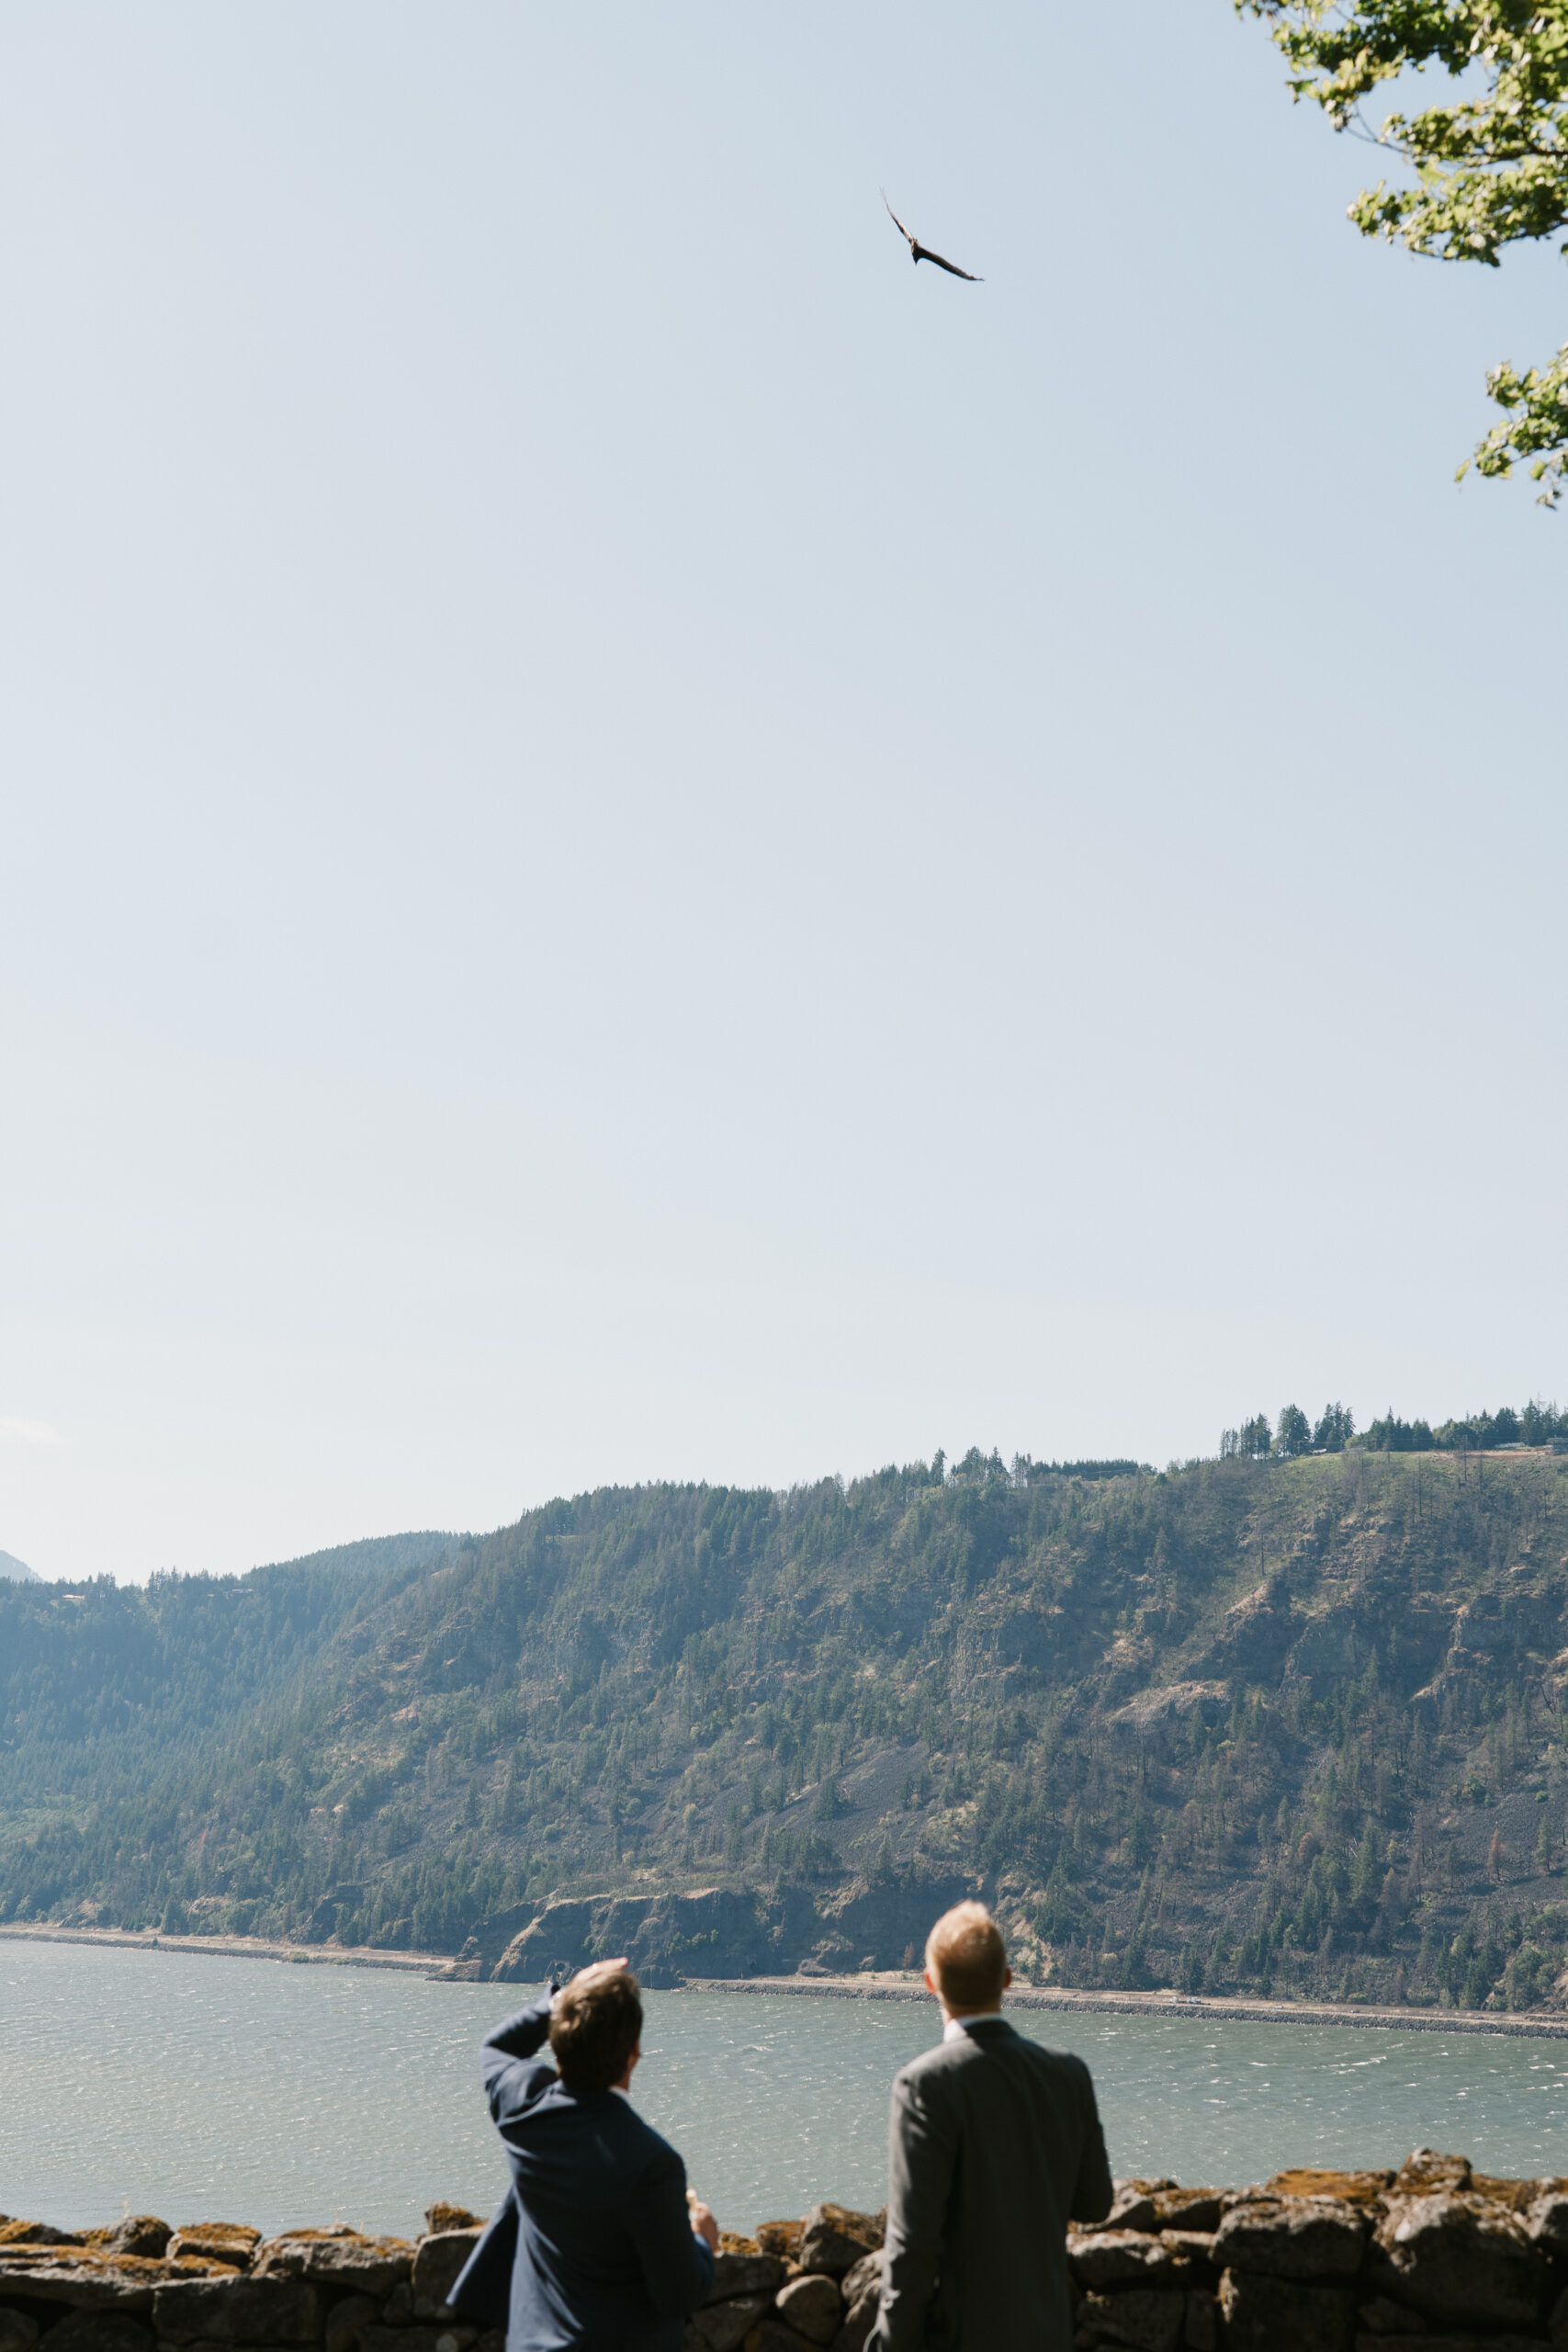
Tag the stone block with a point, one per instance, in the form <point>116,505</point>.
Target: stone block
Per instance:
<point>1262,2315</point>
<point>859,2321</point>
<point>1292,2237</point>
<point>18,2332</point>
<point>1313,2180</point>
<point>1196,2245</point>
<point>1466,2343</point>
<point>90,2282</point>
<point>1140,2317</point>
<point>835,2237</point>
<point>97,2332</point>
<point>864,2277</point>
<point>1189,2208</point>
<point>782,2238</point>
<point>436,2336</point>
<point>719,2327</point>
<point>344,2259</point>
<point>1558,2326</point>
<point>345,2319</point>
<point>1546,2222</point>
<point>1201,2324</point>
<point>1465,2264</point>
<point>812,2306</point>
<point>1500,2189</point>
<point>142,2233</point>
<point>437,2262</point>
<point>1381,2317</point>
<point>746,2274</point>
<point>1426,2173</point>
<point>1131,2209</point>
<point>205,2345</point>
<point>237,2311</point>
<point>442,2216</point>
<point>772,2335</point>
<point>231,2242</point>
<point>1104,2259</point>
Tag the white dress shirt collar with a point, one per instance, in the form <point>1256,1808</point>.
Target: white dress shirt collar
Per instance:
<point>954,2029</point>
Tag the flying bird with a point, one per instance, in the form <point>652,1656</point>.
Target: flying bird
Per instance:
<point>923,253</point>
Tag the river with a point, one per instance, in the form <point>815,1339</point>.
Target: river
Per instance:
<point>229,2089</point>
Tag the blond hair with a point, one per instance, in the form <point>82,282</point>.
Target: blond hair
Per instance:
<point>967,1958</point>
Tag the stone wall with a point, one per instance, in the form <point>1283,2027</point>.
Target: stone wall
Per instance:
<point>1309,2262</point>
<point>1328,2262</point>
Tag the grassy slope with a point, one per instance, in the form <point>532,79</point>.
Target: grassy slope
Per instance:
<point>1285,1727</point>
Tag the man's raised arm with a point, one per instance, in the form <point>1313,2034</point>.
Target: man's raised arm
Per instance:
<point>507,2067</point>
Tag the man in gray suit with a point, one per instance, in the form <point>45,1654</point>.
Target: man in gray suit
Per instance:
<point>994,2144</point>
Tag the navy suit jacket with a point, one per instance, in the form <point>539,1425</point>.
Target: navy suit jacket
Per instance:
<point>602,2253</point>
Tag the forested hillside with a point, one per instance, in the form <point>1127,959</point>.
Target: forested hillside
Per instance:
<point>1284,1725</point>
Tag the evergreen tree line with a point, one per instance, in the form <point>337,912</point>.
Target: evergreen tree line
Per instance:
<point>1538,1423</point>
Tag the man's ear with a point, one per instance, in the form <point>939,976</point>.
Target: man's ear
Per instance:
<point>1007,1978</point>
<point>931,1983</point>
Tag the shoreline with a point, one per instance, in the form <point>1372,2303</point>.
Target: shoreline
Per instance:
<point>420,1963</point>
<point>1216,2008</point>
<point>886,1984</point>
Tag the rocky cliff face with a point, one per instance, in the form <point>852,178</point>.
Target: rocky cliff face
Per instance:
<point>1313,2261</point>
<point>713,1931</point>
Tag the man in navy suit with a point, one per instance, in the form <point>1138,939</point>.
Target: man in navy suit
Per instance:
<point>606,2255</point>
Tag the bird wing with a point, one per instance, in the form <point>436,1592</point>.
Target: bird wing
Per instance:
<point>896,223</point>
<point>924,252</point>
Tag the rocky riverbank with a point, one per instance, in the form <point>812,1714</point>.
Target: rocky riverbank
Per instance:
<point>1311,2261</point>
<point>906,1985</point>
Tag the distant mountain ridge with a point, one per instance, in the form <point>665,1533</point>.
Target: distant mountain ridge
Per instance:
<point>18,1570</point>
<point>1294,1725</point>
<point>380,1555</point>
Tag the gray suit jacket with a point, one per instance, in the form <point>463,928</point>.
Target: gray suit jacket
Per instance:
<point>993,2144</point>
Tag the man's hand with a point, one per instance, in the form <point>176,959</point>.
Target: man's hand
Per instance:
<point>598,1968</point>
<point>703,2223</point>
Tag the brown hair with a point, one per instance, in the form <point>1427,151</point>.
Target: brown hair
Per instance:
<point>595,2027</point>
<point>965,1953</point>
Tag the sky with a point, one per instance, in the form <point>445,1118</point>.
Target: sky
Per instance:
<point>640,841</point>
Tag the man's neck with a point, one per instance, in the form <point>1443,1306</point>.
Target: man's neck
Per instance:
<point>965,2016</point>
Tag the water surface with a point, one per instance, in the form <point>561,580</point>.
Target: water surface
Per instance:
<point>256,2090</point>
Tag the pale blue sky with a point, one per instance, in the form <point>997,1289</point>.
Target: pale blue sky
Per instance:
<point>639,841</point>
